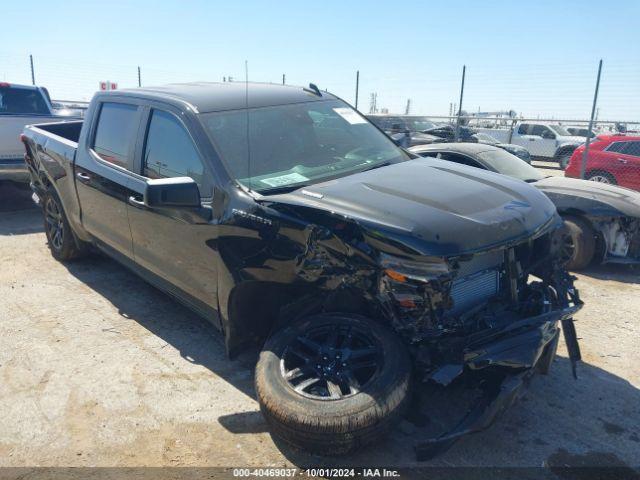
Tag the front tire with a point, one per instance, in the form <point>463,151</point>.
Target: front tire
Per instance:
<point>601,177</point>
<point>62,242</point>
<point>579,243</point>
<point>333,383</point>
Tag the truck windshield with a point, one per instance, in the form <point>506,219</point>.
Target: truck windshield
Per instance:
<point>22,100</point>
<point>289,146</point>
<point>507,164</point>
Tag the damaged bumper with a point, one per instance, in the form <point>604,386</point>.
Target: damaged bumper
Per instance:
<point>501,365</point>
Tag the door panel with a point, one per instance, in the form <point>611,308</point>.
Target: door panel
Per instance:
<point>104,208</point>
<point>103,173</point>
<point>174,244</point>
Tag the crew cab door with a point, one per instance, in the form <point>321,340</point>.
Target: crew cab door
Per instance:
<point>173,245</point>
<point>103,170</point>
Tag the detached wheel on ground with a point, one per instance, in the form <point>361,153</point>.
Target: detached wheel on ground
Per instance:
<point>578,243</point>
<point>601,177</point>
<point>62,243</point>
<point>333,383</point>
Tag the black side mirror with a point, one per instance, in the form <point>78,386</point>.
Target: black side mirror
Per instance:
<point>178,192</point>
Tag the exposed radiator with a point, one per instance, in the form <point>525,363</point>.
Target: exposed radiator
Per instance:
<point>478,280</point>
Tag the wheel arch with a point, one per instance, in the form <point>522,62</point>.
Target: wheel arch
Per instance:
<point>255,309</point>
<point>564,150</point>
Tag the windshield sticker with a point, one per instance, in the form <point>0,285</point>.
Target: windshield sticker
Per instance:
<point>350,115</point>
<point>284,179</point>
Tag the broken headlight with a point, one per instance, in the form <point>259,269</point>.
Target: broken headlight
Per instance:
<point>423,270</point>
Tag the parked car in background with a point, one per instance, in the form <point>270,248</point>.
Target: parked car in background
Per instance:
<point>603,221</point>
<point>543,140</point>
<point>64,111</point>
<point>613,159</point>
<point>353,265</point>
<point>405,130</point>
<point>470,135</point>
<point>20,105</point>
<point>579,131</point>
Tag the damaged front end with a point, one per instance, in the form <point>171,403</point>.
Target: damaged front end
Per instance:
<point>493,315</point>
<point>618,239</point>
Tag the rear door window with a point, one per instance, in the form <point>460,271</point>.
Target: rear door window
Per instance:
<point>15,100</point>
<point>462,159</point>
<point>523,129</point>
<point>115,133</point>
<point>632,148</point>
<point>170,152</point>
<point>617,147</point>
<point>538,130</point>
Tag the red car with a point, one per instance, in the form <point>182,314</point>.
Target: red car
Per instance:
<point>612,159</point>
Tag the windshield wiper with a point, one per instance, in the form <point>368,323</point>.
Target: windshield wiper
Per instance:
<point>283,189</point>
<point>377,165</point>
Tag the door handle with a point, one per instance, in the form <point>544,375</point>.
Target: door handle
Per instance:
<point>622,160</point>
<point>136,203</point>
<point>532,139</point>
<point>83,177</point>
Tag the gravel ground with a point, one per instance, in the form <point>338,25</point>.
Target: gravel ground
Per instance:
<point>97,368</point>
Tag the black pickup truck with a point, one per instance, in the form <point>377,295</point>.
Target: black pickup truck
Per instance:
<point>288,220</point>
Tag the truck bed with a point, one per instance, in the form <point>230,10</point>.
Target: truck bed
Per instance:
<point>51,150</point>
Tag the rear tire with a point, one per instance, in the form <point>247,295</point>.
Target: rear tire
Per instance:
<point>321,419</point>
<point>563,160</point>
<point>579,243</point>
<point>62,242</point>
<point>601,177</point>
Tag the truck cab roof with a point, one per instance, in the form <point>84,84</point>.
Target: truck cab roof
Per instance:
<point>205,97</point>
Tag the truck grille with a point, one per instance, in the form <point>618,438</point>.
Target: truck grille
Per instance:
<point>478,280</point>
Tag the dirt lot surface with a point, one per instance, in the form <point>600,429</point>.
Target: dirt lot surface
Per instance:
<point>97,368</point>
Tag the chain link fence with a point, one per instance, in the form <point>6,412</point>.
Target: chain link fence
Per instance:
<point>560,113</point>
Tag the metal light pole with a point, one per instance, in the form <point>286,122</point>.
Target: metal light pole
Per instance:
<point>585,154</point>
<point>357,86</point>
<point>457,134</point>
<point>283,79</point>
<point>139,78</point>
<point>33,75</point>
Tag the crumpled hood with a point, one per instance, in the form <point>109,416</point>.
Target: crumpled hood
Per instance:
<point>432,207</point>
<point>592,197</point>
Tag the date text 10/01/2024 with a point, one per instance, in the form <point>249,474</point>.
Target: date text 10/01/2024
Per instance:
<point>316,472</point>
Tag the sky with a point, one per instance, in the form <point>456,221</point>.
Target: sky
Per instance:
<point>538,58</point>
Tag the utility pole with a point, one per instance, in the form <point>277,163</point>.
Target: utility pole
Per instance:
<point>407,109</point>
<point>457,134</point>
<point>283,79</point>
<point>33,75</point>
<point>585,153</point>
<point>139,78</point>
<point>357,86</point>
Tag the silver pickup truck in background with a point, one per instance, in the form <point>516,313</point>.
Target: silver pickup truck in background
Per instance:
<point>544,141</point>
<point>21,105</point>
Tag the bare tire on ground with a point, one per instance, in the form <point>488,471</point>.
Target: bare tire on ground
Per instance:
<point>579,243</point>
<point>333,383</point>
<point>62,243</point>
